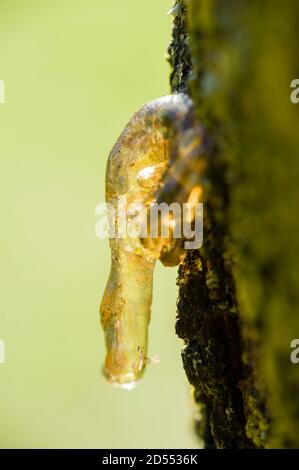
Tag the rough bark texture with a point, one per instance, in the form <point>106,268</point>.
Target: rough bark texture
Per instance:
<point>239,295</point>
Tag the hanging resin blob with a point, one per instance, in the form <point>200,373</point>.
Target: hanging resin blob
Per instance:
<point>156,159</point>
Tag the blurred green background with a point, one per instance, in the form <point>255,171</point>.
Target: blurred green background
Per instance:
<point>74,74</point>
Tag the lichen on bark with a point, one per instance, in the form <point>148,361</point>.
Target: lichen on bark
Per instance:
<point>179,56</point>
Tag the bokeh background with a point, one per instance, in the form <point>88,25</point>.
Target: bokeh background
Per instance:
<point>74,74</point>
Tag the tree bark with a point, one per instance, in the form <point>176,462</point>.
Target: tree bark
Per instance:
<point>238,295</point>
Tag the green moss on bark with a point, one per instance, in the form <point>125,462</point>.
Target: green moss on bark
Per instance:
<point>238,301</point>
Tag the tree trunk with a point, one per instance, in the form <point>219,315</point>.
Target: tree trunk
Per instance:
<point>239,294</point>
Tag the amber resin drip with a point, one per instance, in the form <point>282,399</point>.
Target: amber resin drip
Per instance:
<point>156,159</point>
